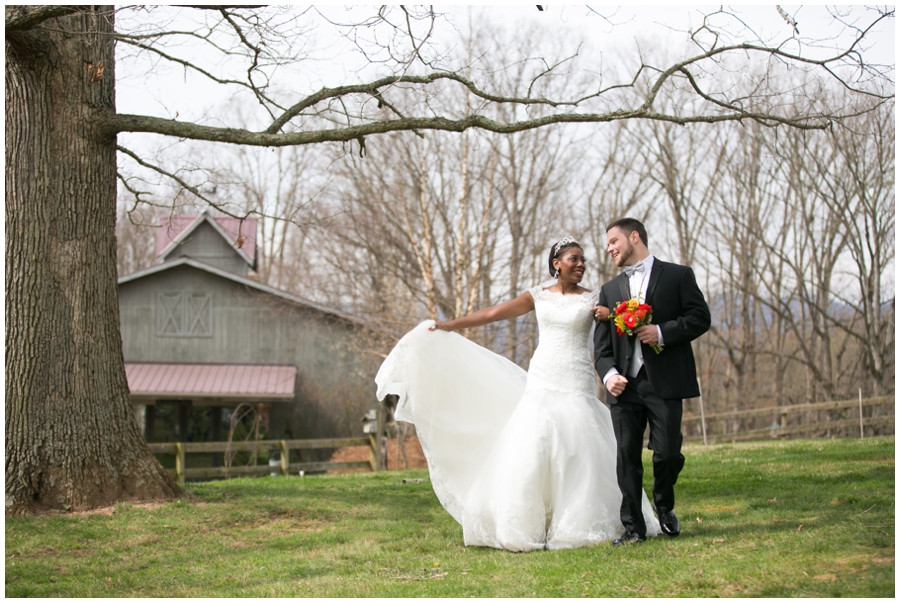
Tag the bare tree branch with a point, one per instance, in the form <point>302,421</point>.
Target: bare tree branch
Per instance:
<point>194,190</point>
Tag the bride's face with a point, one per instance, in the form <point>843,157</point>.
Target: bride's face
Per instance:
<point>571,265</point>
<point>619,247</point>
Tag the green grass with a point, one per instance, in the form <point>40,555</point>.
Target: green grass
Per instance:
<point>812,518</point>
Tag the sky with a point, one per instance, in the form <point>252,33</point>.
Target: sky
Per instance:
<point>603,30</point>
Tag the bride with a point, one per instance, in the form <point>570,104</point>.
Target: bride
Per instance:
<point>523,461</point>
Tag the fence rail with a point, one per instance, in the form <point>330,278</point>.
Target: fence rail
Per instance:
<point>844,417</point>
<point>283,447</point>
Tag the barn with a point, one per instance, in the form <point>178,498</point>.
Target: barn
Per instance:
<point>202,339</point>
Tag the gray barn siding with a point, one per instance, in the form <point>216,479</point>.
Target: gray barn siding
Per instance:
<point>253,327</point>
<point>208,246</point>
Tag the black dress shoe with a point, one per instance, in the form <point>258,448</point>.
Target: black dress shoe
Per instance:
<point>669,524</point>
<point>628,537</point>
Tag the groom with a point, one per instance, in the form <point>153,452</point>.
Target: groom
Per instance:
<point>646,386</point>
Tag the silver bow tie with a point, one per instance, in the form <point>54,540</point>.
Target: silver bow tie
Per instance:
<point>629,270</point>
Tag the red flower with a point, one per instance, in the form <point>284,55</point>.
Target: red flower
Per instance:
<point>630,321</point>
<point>645,307</point>
<point>640,313</point>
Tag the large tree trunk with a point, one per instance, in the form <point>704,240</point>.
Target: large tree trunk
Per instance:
<point>71,437</point>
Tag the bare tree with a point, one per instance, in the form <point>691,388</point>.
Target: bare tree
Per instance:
<point>687,167</point>
<point>855,182</point>
<point>620,186</point>
<point>415,220</point>
<point>283,189</point>
<point>789,227</point>
<point>740,210</point>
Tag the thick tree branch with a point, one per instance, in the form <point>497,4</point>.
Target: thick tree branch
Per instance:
<point>219,7</point>
<point>115,123</point>
<point>372,88</point>
<point>23,17</point>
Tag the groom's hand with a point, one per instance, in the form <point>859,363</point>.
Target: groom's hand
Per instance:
<point>648,334</point>
<point>616,385</point>
<point>601,313</point>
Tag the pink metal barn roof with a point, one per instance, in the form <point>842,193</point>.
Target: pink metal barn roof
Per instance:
<point>232,381</point>
<point>175,225</point>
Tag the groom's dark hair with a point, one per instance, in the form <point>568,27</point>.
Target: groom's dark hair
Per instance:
<point>628,226</point>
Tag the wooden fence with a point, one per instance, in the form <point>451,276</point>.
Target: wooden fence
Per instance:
<point>874,416</point>
<point>283,447</point>
<point>854,418</point>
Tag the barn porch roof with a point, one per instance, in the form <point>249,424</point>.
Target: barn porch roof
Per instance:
<point>262,382</point>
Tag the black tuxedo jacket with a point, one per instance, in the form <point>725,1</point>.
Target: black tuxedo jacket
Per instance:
<point>682,315</point>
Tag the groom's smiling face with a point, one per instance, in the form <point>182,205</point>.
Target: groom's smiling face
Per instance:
<point>619,247</point>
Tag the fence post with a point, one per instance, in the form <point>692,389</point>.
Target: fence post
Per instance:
<point>179,463</point>
<point>860,415</point>
<point>284,457</point>
<point>702,414</point>
<point>373,452</point>
<point>380,452</point>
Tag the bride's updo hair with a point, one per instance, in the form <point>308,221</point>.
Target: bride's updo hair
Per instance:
<point>558,247</point>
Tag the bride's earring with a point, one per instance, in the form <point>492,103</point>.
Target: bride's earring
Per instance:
<point>557,273</point>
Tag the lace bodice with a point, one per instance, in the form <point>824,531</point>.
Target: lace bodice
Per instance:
<point>562,361</point>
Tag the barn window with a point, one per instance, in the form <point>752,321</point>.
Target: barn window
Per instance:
<point>184,315</point>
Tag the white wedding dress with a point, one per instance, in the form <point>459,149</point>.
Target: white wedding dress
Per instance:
<point>523,461</point>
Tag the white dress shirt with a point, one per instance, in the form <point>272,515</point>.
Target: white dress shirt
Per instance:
<point>637,284</point>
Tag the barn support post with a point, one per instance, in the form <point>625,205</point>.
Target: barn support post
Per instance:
<point>216,419</point>
<point>184,407</point>
<point>149,422</point>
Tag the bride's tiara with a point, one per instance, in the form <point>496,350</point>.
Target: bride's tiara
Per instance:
<point>567,240</point>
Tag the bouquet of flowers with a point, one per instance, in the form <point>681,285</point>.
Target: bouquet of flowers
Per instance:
<point>631,314</point>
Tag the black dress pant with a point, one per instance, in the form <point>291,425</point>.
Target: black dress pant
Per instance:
<point>634,408</point>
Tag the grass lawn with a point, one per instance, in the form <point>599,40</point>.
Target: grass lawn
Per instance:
<point>808,518</point>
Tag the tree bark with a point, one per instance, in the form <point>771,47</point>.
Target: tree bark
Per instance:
<point>72,441</point>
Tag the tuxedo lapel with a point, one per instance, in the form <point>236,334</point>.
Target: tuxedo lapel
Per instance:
<point>655,272</point>
<point>624,287</point>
